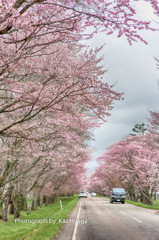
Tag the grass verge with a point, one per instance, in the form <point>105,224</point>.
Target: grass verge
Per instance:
<point>139,204</point>
<point>42,224</point>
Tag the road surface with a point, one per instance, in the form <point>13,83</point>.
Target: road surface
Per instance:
<point>97,219</point>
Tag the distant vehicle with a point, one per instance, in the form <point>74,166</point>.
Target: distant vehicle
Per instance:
<point>83,194</point>
<point>93,194</point>
<point>117,195</point>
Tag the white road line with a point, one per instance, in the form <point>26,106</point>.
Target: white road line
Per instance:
<point>136,220</point>
<point>75,229</point>
<point>122,213</point>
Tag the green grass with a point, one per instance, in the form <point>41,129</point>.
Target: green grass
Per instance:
<point>38,231</point>
<point>156,203</point>
<point>139,204</point>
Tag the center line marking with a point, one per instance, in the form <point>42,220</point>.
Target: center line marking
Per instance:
<point>136,220</point>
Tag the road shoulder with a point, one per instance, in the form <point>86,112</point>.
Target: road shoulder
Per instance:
<point>66,231</point>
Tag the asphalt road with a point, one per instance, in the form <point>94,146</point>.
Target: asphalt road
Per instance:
<point>100,220</point>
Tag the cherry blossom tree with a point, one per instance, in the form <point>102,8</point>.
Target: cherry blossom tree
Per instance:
<point>50,152</point>
<point>52,92</point>
<point>132,165</point>
<point>28,27</point>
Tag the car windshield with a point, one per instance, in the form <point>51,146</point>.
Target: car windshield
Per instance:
<point>82,192</point>
<point>118,190</point>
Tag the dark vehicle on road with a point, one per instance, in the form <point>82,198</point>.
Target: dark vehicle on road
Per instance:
<point>117,195</point>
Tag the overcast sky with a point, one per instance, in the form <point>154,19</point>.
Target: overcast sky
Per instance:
<point>134,72</point>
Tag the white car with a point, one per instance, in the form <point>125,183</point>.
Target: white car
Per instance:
<point>93,194</point>
<point>83,194</point>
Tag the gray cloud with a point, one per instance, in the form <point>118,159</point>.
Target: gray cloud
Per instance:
<point>134,72</point>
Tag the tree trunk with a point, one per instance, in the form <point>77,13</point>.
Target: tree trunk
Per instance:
<point>17,206</point>
<point>23,203</point>
<point>7,200</point>
<point>56,197</point>
<point>39,199</point>
<point>44,199</point>
<point>132,194</point>
<point>34,204</point>
<point>5,210</point>
<point>27,206</point>
<point>11,209</point>
<point>146,198</point>
<point>133,197</point>
<point>52,199</point>
<point>1,210</point>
